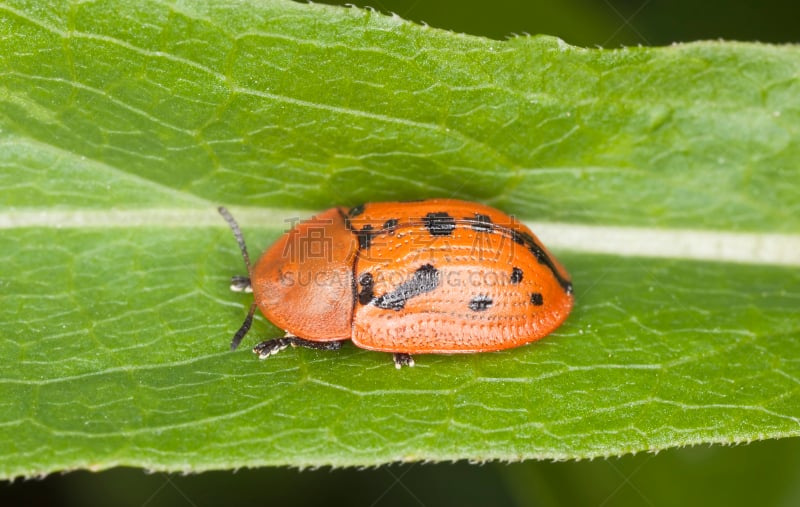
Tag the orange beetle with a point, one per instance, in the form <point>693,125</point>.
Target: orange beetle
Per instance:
<point>438,276</point>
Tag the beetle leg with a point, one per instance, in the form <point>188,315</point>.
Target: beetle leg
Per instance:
<point>401,359</point>
<point>300,342</point>
<point>271,347</point>
<point>241,283</point>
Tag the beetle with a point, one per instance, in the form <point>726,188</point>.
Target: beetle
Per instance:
<point>437,276</point>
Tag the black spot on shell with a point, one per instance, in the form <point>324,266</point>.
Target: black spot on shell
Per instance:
<point>482,223</point>
<point>425,279</point>
<point>525,239</point>
<point>356,210</point>
<point>365,294</point>
<point>537,252</point>
<point>537,299</point>
<point>364,237</point>
<point>480,303</point>
<point>390,224</point>
<point>516,275</point>
<point>440,224</point>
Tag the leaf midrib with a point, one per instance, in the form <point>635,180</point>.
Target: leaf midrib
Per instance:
<point>690,244</point>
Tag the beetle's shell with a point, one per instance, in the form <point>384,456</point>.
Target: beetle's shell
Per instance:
<point>496,286</point>
<point>434,276</point>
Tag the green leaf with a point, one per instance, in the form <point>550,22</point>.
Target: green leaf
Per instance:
<point>124,126</point>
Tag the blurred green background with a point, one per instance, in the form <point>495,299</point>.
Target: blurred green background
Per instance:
<point>606,23</point>
<point>762,473</point>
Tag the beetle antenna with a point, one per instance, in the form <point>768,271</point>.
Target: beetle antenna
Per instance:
<point>237,233</point>
<point>248,321</point>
